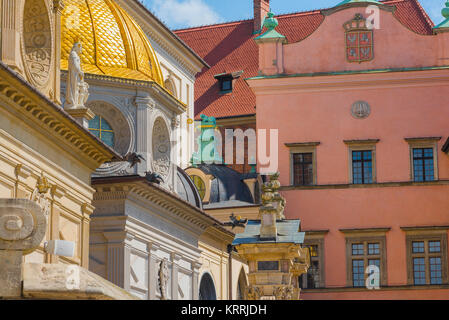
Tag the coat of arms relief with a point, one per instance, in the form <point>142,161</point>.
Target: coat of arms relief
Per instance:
<point>359,40</point>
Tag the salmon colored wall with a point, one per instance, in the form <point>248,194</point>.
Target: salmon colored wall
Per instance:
<point>318,109</point>
<point>325,116</point>
<point>395,46</point>
<point>392,207</point>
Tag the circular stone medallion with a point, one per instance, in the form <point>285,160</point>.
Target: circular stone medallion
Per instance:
<point>360,110</point>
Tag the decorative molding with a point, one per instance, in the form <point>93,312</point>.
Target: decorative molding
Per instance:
<point>361,142</point>
<point>364,230</point>
<point>302,144</point>
<point>37,42</point>
<point>42,113</point>
<point>424,228</point>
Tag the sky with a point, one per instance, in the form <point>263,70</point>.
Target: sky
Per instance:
<point>178,14</point>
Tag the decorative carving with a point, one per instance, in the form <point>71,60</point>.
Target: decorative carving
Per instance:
<point>161,148</point>
<point>175,122</point>
<point>359,40</point>
<point>252,293</point>
<point>37,42</point>
<point>284,293</point>
<point>42,184</point>
<point>77,89</point>
<point>360,110</point>
<point>22,225</point>
<point>163,278</point>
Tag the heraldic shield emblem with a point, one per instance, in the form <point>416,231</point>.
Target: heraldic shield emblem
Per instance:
<point>359,40</point>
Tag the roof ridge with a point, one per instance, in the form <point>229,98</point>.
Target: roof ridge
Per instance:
<point>283,15</point>
<point>230,23</point>
<point>423,12</point>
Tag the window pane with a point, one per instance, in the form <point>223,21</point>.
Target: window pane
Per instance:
<point>434,246</point>
<point>419,271</point>
<point>105,125</point>
<point>108,138</point>
<point>418,246</point>
<point>362,167</point>
<point>226,85</point>
<point>358,273</point>
<point>373,248</point>
<point>423,164</point>
<point>435,270</point>
<point>95,133</point>
<point>303,168</point>
<point>357,249</point>
<point>94,123</point>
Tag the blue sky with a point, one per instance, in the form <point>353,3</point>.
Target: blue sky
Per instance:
<point>189,13</point>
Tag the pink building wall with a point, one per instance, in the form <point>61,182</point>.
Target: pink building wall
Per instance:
<point>411,104</point>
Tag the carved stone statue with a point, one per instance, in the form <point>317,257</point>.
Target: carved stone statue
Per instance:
<point>253,293</point>
<point>77,90</point>
<point>163,279</point>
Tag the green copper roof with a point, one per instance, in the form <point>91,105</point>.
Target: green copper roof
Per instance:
<point>357,1</point>
<point>270,23</point>
<point>287,232</point>
<point>445,13</point>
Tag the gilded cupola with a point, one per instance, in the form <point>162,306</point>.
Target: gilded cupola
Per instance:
<point>113,44</point>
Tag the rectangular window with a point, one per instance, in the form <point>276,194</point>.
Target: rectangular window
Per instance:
<point>427,259</point>
<point>423,166</point>
<point>303,163</point>
<point>362,167</point>
<point>303,169</point>
<point>362,161</point>
<point>314,278</point>
<point>423,158</point>
<point>364,252</point>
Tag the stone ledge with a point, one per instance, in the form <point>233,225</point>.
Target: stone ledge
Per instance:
<point>68,282</point>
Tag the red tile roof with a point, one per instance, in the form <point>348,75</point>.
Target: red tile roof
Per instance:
<point>229,47</point>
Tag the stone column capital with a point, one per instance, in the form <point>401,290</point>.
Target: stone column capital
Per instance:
<point>144,102</point>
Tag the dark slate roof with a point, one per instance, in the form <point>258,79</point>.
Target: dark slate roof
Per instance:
<point>288,232</point>
<point>227,185</point>
<point>186,190</point>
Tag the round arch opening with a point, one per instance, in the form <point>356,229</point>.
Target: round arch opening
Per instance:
<point>207,288</point>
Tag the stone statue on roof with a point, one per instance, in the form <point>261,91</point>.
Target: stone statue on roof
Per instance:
<point>77,89</point>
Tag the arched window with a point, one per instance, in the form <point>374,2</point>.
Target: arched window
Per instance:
<point>102,130</point>
<point>207,288</point>
<point>200,185</point>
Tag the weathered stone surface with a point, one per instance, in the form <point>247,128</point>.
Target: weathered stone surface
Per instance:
<point>10,273</point>
<point>67,282</point>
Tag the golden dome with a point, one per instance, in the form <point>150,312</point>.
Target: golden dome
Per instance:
<point>113,44</point>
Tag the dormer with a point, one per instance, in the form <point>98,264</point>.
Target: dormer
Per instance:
<point>226,81</point>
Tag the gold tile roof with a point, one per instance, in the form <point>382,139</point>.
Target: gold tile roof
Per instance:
<point>113,43</point>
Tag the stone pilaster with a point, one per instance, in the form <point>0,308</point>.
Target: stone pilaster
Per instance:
<point>116,257</point>
<point>174,275</point>
<point>195,280</point>
<point>11,19</point>
<point>58,7</point>
<point>152,270</point>
<point>145,106</point>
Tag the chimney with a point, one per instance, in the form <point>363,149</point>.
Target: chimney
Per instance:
<point>261,8</point>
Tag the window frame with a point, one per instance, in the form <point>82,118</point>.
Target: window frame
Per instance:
<point>303,147</point>
<point>414,235</point>
<point>366,236</point>
<point>423,143</point>
<point>362,145</point>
